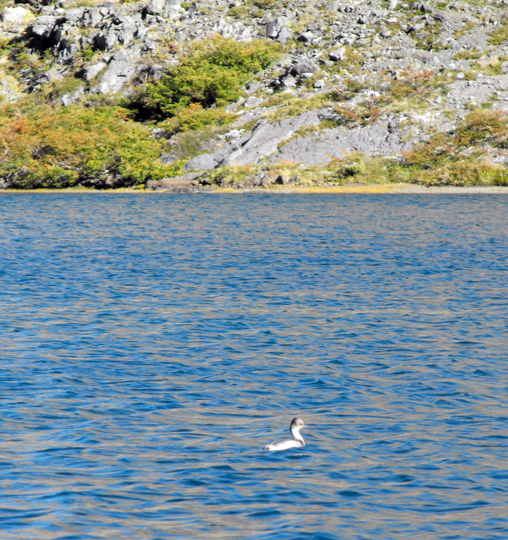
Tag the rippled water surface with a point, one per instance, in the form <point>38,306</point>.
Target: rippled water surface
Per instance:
<point>152,344</point>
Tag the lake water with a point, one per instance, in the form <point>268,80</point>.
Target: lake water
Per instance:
<point>152,344</point>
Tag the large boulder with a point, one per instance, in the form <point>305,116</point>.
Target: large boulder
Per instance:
<point>304,66</point>
<point>203,162</point>
<point>92,71</point>
<point>276,29</point>
<point>91,17</point>
<point>173,7</point>
<point>42,27</point>
<point>120,70</point>
<point>49,76</point>
<point>73,97</point>
<point>126,33</point>
<point>177,184</point>
<point>38,4</point>
<point>338,54</point>
<point>15,19</point>
<point>155,7</point>
<point>74,15</point>
<point>14,15</point>
<point>105,40</point>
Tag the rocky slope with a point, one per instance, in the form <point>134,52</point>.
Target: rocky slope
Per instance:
<point>357,81</point>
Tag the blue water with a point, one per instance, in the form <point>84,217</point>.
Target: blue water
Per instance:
<point>151,344</point>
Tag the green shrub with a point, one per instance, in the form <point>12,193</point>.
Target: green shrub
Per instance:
<point>195,117</point>
<point>483,126</point>
<point>46,146</point>
<point>211,73</point>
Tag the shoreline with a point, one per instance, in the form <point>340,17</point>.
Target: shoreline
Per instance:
<point>373,189</point>
<point>312,94</point>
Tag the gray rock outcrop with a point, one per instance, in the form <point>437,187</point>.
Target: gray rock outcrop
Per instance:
<point>280,142</point>
<point>381,138</point>
<point>120,71</point>
<point>203,162</point>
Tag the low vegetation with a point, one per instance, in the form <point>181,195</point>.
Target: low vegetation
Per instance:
<point>254,8</point>
<point>99,143</point>
<point>500,35</point>
<point>464,30</point>
<point>410,89</point>
<point>462,157</point>
<point>46,146</point>
<point>210,75</point>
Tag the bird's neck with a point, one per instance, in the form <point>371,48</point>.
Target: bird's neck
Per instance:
<point>297,436</point>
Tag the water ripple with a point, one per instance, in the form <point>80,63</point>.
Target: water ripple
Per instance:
<point>152,344</point>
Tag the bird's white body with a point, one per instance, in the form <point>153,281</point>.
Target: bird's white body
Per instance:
<point>284,445</point>
<point>296,442</point>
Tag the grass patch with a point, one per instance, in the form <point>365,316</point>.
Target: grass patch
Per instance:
<point>256,8</point>
<point>357,169</point>
<point>491,66</point>
<point>500,35</point>
<point>464,30</point>
<point>54,90</point>
<point>352,64</point>
<point>288,106</point>
<point>462,173</point>
<point>471,54</point>
<point>354,168</point>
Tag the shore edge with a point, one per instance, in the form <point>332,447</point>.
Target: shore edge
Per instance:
<point>348,189</point>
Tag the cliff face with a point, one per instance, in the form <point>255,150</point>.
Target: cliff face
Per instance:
<point>350,84</point>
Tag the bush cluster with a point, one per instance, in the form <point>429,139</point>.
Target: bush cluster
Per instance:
<point>211,73</point>
<point>46,146</point>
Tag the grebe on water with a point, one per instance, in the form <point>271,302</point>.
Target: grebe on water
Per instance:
<point>297,440</point>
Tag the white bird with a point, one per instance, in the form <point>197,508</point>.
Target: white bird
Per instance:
<point>297,440</point>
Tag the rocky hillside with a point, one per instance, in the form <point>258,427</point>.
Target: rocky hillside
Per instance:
<point>193,95</point>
